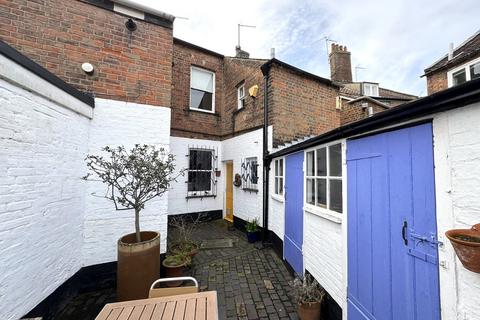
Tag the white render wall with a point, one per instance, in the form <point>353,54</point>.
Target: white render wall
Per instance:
<point>276,206</point>
<point>457,179</point>
<point>42,147</point>
<point>122,123</point>
<point>177,203</point>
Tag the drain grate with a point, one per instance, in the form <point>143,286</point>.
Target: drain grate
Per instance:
<point>216,244</point>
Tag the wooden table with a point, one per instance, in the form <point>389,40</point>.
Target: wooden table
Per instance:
<point>198,306</point>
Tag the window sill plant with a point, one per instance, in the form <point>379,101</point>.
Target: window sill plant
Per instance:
<point>309,296</point>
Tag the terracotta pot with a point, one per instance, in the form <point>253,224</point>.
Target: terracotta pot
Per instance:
<point>138,265</point>
<point>309,310</point>
<point>174,271</point>
<point>467,251</point>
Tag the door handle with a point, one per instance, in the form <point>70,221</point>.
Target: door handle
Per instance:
<point>404,233</point>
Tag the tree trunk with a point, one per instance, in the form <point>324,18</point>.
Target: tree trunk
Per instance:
<point>137,225</point>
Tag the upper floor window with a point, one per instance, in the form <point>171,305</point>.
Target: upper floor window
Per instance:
<point>202,90</point>
<point>323,178</point>
<point>241,96</point>
<point>200,172</point>
<point>466,72</point>
<point>370,89</point>
<point>278,170</point>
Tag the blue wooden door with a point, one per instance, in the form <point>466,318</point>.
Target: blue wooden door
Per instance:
<point>293,239</point>
<point>392,239</point>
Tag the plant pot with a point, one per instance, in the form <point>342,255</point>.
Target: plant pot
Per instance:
<point>309,310</point>
<point>138,265</point>
<point>466,243</point>
<point>172,271</point>
<point>253,236</point>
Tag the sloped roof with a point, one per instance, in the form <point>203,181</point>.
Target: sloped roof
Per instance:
<point>467,50</point>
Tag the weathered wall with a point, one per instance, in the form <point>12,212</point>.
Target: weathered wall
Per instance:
<point>120,123</point>
<point>177,201</point>
<point>42,147</point>
<point>457,172</point>
<point>61,35</point>
<point>437,81</point>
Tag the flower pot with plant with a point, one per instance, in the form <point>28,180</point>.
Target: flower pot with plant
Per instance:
<point>175,265</point>
<point>253,230</point>
<point>132,179</point>
<point>309,296</point>
<point>466,243</point>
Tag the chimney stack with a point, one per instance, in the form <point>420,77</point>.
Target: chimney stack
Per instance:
<point>239,53</point>
<point>450,51</point>
<point>272,53</point>
<point>340,64</point>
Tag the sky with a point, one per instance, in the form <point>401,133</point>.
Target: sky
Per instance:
<point>392,41</point>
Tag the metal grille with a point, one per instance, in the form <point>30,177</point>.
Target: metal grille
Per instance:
<point>201,172</point>
<point>250,173</point>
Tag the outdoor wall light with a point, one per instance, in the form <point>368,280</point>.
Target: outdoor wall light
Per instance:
<point>87,68</point>
<point>253,91</point>
<point>131,25</point>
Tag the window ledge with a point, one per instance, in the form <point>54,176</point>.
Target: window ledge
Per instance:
<point>324,213</point>
<point>277,197</point>
<point>204,111</point>
<point>250,190</point>
<point>201,196</point>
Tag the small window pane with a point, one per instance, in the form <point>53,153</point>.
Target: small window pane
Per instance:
<point>199,181</point>
<point>201,100</point>
<point>322,162</point>
<point>280,187</point>
<point>276,186</point>
<point>310,163</point>
<point>475,71</point>
<point>201,80</point>
<point>335,158</point>
<point>280,171</point>
<point>200,160</point>
<point>322,193</point>
<point>459,77</point>
<point>336,195</point>
<point>276,168</point>
<point>310,191</point>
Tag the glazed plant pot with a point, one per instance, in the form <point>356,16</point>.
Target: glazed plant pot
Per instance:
<point>466,243</point>
<point>138,265</point>
<point>309,310</point>
<point>173,271</point>
<point>253,236</point>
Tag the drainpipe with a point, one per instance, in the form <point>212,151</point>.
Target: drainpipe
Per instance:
<point>266,161</point>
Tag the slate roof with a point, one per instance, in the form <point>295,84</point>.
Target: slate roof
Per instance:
<point>466,51</point>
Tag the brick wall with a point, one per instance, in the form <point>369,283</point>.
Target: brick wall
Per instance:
<point>248,71</point>
<point>61,35</point>
<point>352,112</point>
<point>190,123</point>
<point>437,81</point>
<point>300,106</point>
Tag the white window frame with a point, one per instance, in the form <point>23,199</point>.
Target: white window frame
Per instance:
<point>274,194</point>
<point>372,85</point>
<point>190,88</point>
<point>313,208</point>
<point>201,193</point>
<point>466,67</point>
<point>241,99</point>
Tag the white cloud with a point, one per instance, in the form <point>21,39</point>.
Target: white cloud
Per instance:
<point>394,40</point>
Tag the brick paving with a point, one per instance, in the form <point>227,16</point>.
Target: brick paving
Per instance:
<point>251,283</point>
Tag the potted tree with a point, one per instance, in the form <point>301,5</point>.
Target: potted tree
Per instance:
<point>133,178</point>
<point>252,230</point>
<point>182,236</point>
<point>309,296</point>
<point>466,243</point>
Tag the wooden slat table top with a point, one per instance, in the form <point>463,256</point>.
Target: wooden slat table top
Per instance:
<point>193,306</point>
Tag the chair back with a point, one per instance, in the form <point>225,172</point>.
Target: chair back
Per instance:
<point>173,291</point>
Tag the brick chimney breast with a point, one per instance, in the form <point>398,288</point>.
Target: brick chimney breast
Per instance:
<point>340,63</point>
<point>239,53</point>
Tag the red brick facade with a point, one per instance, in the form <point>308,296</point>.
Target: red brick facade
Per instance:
<point>437,81</point>
<point>61,35</point>
<point>358,110</point>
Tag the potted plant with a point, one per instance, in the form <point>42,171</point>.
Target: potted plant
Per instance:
<point>466,243</point>
<point>132,179</point>
<point>252,230</point>
<point>175,265</point>
<point>309,296</point>
<point>184,228</point>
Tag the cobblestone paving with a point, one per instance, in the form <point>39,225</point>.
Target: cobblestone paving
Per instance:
<point>251,283</point>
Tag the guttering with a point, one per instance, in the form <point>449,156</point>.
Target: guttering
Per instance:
<point>145,9</point>
<point>266,159</point>
<point>449,99</point>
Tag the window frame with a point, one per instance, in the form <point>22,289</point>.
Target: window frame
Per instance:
<point>251,186</point>
<point>201,193</point>
<point>213,90</point>
<point>465,67</point>
<point>241,100</point>
<point>276,176</point>
<point>372,85</point>
<point>325,212</point>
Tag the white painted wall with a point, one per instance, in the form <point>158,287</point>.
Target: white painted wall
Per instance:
<point>177,202</point>
<point>42,146</point>
<point>457,179</point>
<point>276,207</point>
<point>122,123</point>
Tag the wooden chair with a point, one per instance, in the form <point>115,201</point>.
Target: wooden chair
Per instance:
<point>173,291</point>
